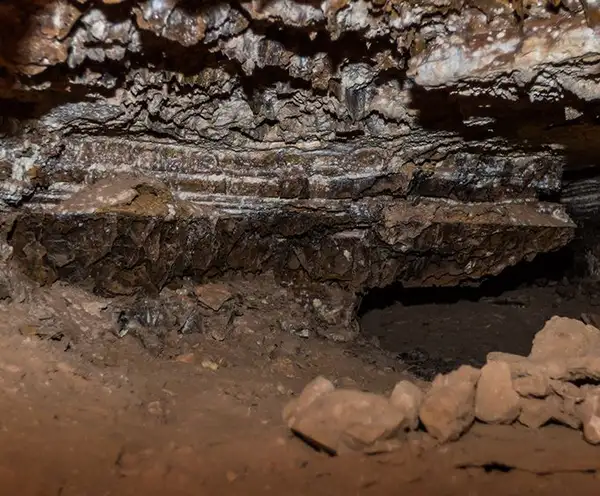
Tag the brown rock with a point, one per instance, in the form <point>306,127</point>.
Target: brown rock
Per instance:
<point>566,390</point>
<point>214,296</point>
<point>496,401</point>
<point>448,408</point>
<point>407,397</point>
<point>589,413</point>
<point>564,411</point>
<point>534,413</point>
<point>564,338</point>
<point>520,366</point>
<point>537,412</point>
<point>537,385</point>
<point>343,420</point>
<point>317,387</point>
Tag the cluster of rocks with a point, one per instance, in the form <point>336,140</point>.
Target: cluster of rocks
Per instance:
<point>557,382</point>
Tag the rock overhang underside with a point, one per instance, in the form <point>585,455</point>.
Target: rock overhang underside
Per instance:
<point>352,143</point>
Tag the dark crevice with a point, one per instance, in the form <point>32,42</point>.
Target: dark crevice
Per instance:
<point>436,330</point>
<point>544,269</point>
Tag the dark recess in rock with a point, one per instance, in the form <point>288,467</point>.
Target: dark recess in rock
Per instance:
<point>357,143</point>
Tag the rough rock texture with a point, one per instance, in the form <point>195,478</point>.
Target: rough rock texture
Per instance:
<point>408,397</point>
<point>321,138</point>
<point>341,420</point>
<point>564,338</point>
<point>448,408</point>
<point>590,416</point>
<point>496,401</point>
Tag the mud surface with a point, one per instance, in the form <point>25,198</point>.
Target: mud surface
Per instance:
<point>86,412</point>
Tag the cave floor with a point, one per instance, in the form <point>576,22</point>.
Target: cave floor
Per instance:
<point>78,419</point>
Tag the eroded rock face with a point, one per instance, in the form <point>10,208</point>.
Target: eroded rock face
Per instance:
<point>356,143</point>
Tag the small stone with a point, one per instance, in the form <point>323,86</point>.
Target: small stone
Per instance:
<point>94,308</point>
<point>213,296</point>
<point>496,402</point>
<point>537,386</point>
<point>347,420</point>
<point>250,324</point>
<point>562,338</point>
<point>210,365</point>
<point>448,408</point>
<point>534,413</point>
<point>347,383</point>
<point>185,358</point>
<point>155,408</point>
<point>317,387</point>
<point>589,413</point>
<point>407,397</point>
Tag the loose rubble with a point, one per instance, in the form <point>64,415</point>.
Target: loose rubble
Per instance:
<point>557,383</point>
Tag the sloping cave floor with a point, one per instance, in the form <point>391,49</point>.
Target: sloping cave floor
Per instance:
<point>83,413</point>
<point>433,330</point>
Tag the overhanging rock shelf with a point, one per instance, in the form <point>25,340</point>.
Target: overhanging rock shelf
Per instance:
<point>352,143</point>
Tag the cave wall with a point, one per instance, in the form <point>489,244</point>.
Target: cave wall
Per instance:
<point>439,111</point>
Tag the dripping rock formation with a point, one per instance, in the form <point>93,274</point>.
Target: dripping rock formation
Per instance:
<point>350,143</point>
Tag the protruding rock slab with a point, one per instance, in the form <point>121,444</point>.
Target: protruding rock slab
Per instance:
<point>142,237</point>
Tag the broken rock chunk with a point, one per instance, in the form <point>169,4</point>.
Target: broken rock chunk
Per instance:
<point>520,366</point>
<point>537,412</point>
<point>407,397</point>
<point>347,420</point>
<point>317,387</point>
<point>496,401</point>
<point>213,296</point>
<point>563,338</point>
<point>534,413</point>
<point>536,385</point>
<point>448,408</point>
<point>589,413</point>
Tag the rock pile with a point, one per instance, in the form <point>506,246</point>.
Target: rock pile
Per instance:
<point>557,382</point>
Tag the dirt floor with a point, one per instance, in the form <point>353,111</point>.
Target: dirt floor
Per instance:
<point>84,412</point>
